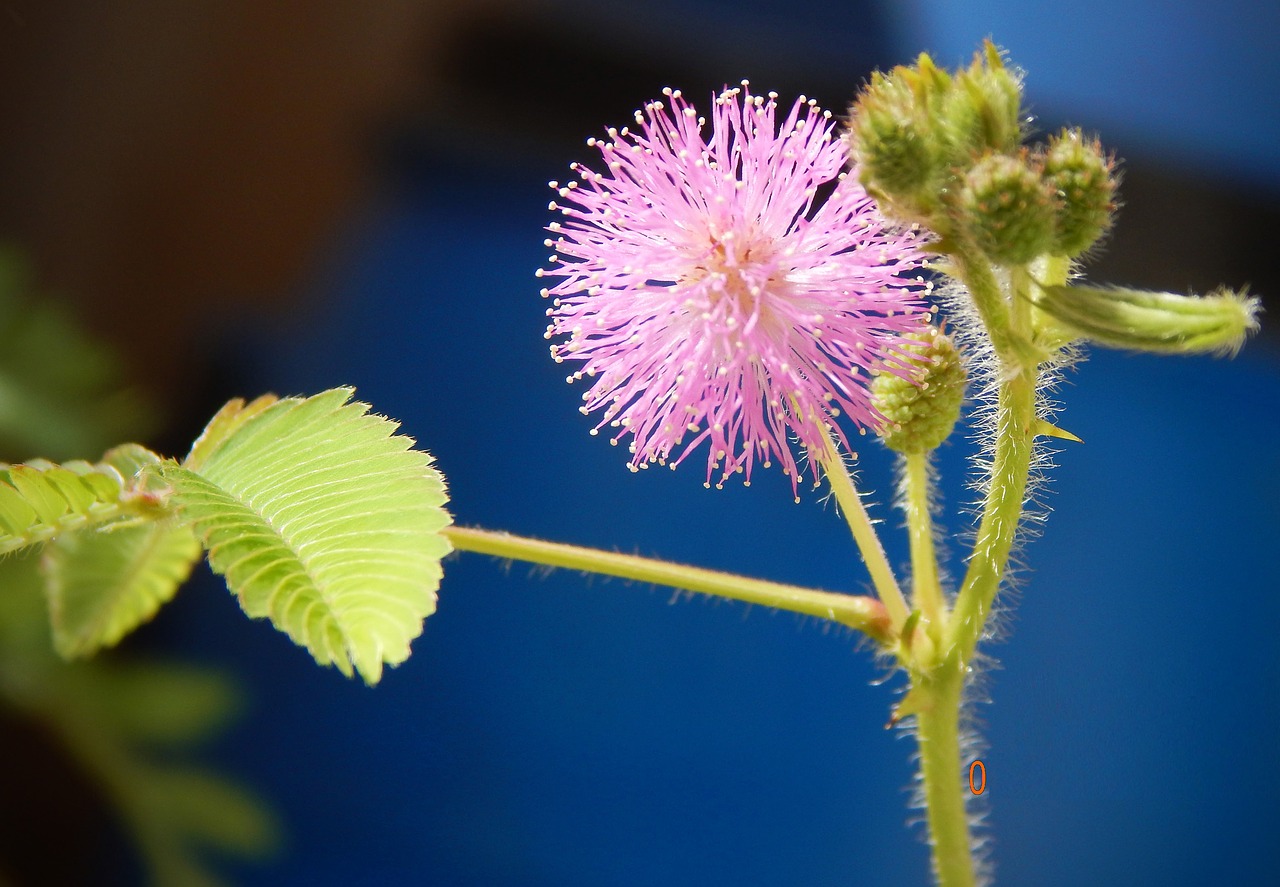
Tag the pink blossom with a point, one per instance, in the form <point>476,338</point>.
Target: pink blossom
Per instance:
<point>709,299</point>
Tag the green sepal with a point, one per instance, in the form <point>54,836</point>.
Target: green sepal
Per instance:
<point>983,110</point>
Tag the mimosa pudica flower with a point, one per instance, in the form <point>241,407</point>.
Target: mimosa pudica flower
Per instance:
<point>710,295</point>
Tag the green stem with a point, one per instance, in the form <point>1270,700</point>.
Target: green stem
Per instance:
<point>938,694</point>
<point>980,280</point>
<point>1016,428</point>
<point>945,777</point>
<point>864,534</point>
<point>1001,511</point>
<point>926,590</point>
<point>1007,324</point>
<point>866,614</point>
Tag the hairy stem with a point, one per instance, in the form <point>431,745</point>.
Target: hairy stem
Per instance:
<point>1010,324</point>
<point>938,734</point>
<point>864,533</point>
<point>926,591</point>
<point>1016,425</point>
<point>1001,512</point>
<point>865,614</point>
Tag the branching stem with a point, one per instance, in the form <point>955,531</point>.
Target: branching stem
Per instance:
<point>937,694</point>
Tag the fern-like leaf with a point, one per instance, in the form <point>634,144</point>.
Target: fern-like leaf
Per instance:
<point>103,585</point>
<point>322,519</point>
<point>39,500</point>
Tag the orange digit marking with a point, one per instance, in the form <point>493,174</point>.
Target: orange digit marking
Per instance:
<point>982,785</point>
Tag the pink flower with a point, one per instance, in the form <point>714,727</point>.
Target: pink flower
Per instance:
<point>710,301</point>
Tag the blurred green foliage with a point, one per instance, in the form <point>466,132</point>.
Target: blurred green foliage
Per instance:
<point>130,727</point>
<point>62,393</point>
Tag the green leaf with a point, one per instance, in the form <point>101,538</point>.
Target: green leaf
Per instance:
<point>322,519</point>
<point>40,500</point>
<point>103,585</point>
<point>223,425</point>
<point>131,728</point>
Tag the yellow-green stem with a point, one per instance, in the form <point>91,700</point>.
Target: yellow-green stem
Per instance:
<point>944,774</point>
<point>1016,424</point>
<point>926,591</point>
<point>864,534</point>
<point>865,614</point>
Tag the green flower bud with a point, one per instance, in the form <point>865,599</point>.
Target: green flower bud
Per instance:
<point>891,140</point>
<point>914,130</point>
<point>1007,208</point>
<point>1164,323</point>
<point>894,160</point>
<point>921,412</point>
<point>982,112</point>
<point>1081,177</point>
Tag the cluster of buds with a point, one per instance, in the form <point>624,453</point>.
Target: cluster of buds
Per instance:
<point>945,150</point>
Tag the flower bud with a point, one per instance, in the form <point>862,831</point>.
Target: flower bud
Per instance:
<point>913,130</point>
<point>1164,323</point>
<point>1007,208</point>
<point>891,140</point>
<point>894,159</point>
<point>1080,176</point>
<point>920,412</point>
<point>982,112</point>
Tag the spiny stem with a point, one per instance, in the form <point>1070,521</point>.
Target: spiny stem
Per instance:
<point>865,614</point>
<point>864,534</point>
<point>926,591</point>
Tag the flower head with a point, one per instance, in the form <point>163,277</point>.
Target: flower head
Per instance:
<point>710,298</point>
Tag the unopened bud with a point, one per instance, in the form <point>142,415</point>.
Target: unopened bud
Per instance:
<point>983,110</point>
<point>891,139</point>
<point>894,160</point>
<point>1164,323</point>
<point>1080,176</point>
<point>914,130</point>
<point>920,411</point>
<point>1007,208</point>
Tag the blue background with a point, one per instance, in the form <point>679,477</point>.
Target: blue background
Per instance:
<point>553,730</point>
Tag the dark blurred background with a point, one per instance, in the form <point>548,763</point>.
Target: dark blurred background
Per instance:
<point>247,197</point>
